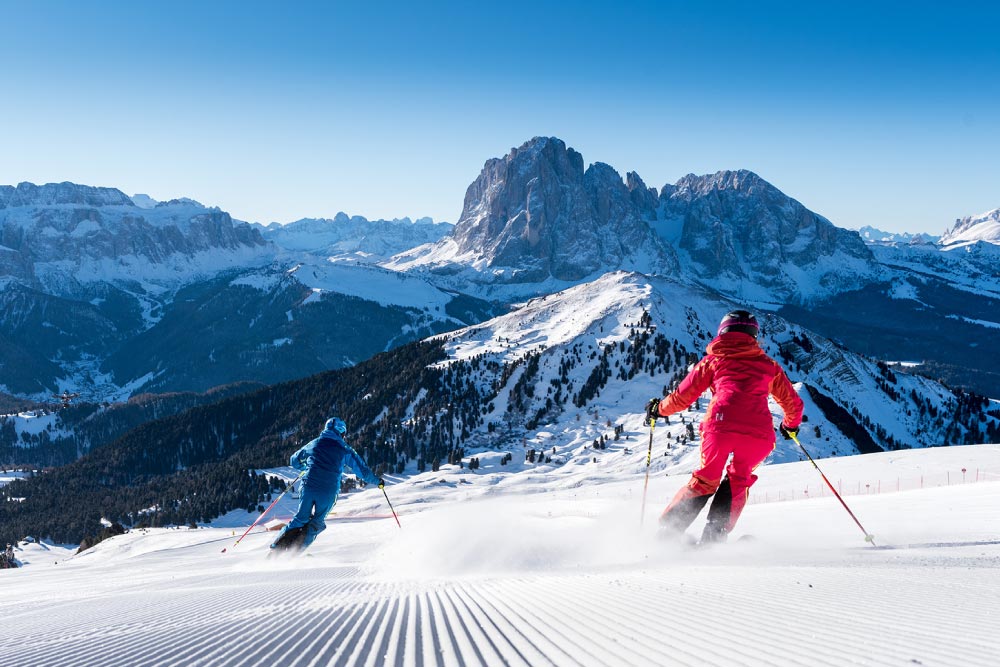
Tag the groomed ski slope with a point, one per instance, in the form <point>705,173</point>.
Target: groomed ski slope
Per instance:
<point>530,572</point>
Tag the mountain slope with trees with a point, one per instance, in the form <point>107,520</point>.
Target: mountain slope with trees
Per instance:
<point>574,367</point>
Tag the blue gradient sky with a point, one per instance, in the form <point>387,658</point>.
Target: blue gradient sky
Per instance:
<point>886,115</point>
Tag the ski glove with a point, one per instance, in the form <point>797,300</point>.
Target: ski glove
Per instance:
<point>788,433</point>
<point>652,409</point>
<point>381,483</point>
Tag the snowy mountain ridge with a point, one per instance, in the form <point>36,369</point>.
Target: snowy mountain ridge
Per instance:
<point>534,222</point>
<point>873,236</point>
<point>60,194</point>
<point>61,237</point>
<point>972,229</point>
<point>605,347</point>
<point>94,288</point>
<point>537,219</point>
<point>745,238</point>
<point>355,238</point>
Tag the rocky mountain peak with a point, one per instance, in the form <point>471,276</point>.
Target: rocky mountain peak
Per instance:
<point>982,227</point>
<point>743,233</point>
<point>64,235</point>
<point>54,194</point>
<point>536,214</point>
<point>741,180</point>
<point>644,197</point>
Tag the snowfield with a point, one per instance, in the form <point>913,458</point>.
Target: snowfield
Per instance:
<point>528,565</point>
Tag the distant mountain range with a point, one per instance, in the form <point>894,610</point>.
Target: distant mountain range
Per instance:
<point>108,298</point>
<point>355,238</point>
<point>110,295</point>
<point>872,235</point>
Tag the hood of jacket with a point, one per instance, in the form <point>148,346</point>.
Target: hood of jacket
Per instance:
<point>330,433</point>
<point>735,344</point>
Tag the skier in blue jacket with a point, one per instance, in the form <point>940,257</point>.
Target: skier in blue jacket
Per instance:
<point>323,461</point>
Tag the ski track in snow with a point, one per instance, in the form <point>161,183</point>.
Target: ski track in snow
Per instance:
<point>561,578</point>
<point>661,615</point>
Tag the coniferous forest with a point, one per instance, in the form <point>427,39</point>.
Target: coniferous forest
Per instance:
<point>197,465</point>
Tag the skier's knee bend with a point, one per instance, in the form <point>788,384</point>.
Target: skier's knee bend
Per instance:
<point>741,481</point>
<point>701,486</point>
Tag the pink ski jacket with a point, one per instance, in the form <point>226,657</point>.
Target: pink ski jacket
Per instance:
<point>740,376</point>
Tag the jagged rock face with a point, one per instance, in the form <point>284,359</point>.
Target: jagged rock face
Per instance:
<point>737,226</point>
<point>66,225</point>
<point>643,197</point>
<point>537,212</point>
<point>53,194</point>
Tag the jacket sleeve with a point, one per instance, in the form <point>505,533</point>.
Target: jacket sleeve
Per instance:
<point>359,467</point>
<point>299,458</point>
<point>693,386</point>
<point>783,391</point>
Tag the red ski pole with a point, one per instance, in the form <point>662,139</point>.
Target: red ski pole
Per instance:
<point>394,515</point>
<point>273,503</point>
<point>868,536</point>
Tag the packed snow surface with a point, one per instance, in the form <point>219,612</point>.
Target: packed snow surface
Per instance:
<point>548,565</point>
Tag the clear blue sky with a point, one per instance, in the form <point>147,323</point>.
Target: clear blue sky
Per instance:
<point>869,113</point>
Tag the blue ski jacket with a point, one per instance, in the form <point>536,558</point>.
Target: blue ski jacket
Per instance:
<point>324,459</point>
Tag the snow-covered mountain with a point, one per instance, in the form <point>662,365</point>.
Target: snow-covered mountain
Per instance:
<point>603,348</point>
<point>355,238</point>
<point>537,220</point>
<point>107,297</point>
<point>101,293</point>
<point>741,235</point>
<point>972,229</point>
<point>559,380</point>
<point>144,201</point>
<point>60,238</point>
<point>874,236</point>
<point>965,256</point>
<point>935,305</point>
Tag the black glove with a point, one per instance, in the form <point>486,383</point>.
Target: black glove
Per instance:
<point>788,433</point>
<point>652,410</point>
<point>381,483</point>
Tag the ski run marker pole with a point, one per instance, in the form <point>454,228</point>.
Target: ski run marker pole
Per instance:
<point>273,503</point>
<point>868,536</point>
<point>394,515</point>
<point>649,458</point>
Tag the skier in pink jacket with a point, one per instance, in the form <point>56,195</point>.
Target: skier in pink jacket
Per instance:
<point>737,423</point>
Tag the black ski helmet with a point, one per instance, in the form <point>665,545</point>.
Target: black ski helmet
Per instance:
<point>739,320</point>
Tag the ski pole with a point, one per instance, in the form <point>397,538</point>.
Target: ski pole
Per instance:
<point>394,515</point>
<point>649,458</point>
<point>868,536</point>
<point>273,503</point>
